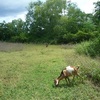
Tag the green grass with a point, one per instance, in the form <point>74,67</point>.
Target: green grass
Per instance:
<point>28,73</point>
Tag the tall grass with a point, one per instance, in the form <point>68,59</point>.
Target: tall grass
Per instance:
<point>28,73</point>
<point>91,48</point>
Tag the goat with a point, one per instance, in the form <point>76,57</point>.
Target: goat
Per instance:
<point>66,73</point>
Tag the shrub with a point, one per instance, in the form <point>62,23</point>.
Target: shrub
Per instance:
<point>82,48</point>
<point>81,36</point>
<point>22,37</point>
<point>91,48</point>
<point>66,38</point>
<point>96,76</point>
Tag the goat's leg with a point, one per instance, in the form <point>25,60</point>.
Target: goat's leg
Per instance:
<point>80,77</point>
<point>73,80</point>
<point>67,80</point>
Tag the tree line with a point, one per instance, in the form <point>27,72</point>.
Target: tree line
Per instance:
<point>54,22</point>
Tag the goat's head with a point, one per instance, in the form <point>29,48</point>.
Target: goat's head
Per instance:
<point>56,82</point>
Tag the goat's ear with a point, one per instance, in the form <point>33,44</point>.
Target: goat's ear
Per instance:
<point>78,66</point>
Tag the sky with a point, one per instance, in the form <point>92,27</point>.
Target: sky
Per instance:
<point>14,9</point>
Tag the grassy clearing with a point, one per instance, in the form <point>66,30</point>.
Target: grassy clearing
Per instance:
<point>27,73</point>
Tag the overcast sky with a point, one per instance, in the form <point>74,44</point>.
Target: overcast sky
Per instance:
<point>14,9</point>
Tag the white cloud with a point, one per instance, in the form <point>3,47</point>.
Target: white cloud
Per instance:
<point>14,9</point>
<point>85,5</point>
<point>10,18</point>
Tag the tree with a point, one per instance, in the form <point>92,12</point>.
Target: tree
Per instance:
<point>12,31</point>
<point>34,20</point>
<point>2,30</point>
<point>54,21</point>
<point>5,31</point>
<point>43,17</point>
<point>19,31</point>
<point>70,23</point>
<point>97,15</point>
<point>76,18</point>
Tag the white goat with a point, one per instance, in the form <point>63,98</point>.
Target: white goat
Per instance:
<point>66,73</point>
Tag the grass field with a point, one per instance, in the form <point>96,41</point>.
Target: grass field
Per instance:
<point>27,72</point>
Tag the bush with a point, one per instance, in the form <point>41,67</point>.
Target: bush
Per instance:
<point>22,37</point>
<point>66,38</point>
<point>91,48</point>
<point>81,36</point>
<point>82,48</point>
<point>96,76</point>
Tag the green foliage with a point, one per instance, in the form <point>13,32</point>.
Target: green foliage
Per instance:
<point>43,17</point>
<point>22,37</point>
<point>82,48</point>
<point>66,38</point>
<point>96,17</point>
<point>91,48</point>
<point>88,25</point>
<point>5,31</point>
<point>12,30</point>
<point>96,76</point>
<point>82,36</point>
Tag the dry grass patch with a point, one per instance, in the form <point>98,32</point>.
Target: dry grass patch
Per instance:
<point>9,47</point>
